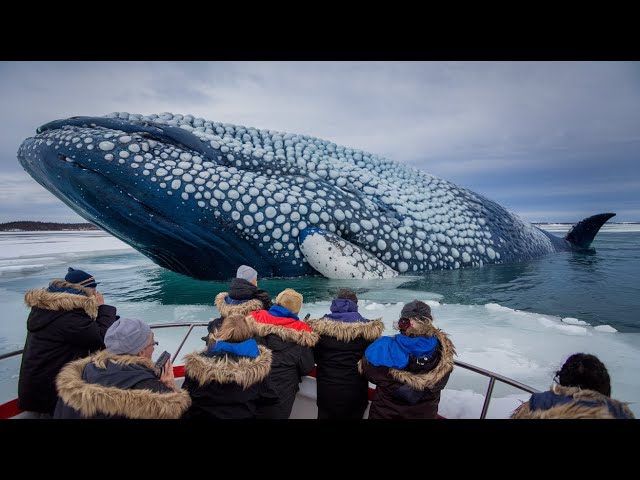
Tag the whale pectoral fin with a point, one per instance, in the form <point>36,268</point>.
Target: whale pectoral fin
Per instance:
<point>335,257</point>
<point>582,233</point>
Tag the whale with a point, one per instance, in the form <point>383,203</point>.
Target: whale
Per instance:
<point>200,198</point>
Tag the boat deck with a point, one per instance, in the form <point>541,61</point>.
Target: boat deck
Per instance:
<point>305,404</point>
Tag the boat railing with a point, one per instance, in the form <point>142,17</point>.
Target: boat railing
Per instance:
<point>493,377</point>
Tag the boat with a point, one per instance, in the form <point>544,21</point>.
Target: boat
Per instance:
<point>305,404</point>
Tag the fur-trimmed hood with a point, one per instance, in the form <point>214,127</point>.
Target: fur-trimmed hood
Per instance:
<point>347,331</point>
<point>244,308</point>
<point>46,300</point>
<point>301,337</point>
<point>423,381</point>
<point>244,371</point>
<point>90,399</point>
<point>572,410</point>
<point>421,328</point>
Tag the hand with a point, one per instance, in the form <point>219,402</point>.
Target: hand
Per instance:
<point>167,376</point>
<point>99,298</point>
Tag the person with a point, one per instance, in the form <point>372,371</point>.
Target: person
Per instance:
<point>243,297</point>
<point>291,342</point>
<point>582,390</point>
<point>228,380</point>
<point>344,336</point>
<point>409,369</point>
<point>67,321</point>
<point>121,381</point>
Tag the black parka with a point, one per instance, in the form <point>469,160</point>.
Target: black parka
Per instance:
<point>240,289</point>
<point>342,392</point>
<point>61,327</point>
<point>106,385</point>
<point>252,299</point>
<point>227,386</point>
<point>292,359</point>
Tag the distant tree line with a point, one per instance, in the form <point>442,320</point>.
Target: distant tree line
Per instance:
<point>28,226</point>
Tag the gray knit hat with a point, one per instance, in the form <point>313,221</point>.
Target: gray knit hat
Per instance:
<point>127,335</point>
<point>247,273</point>
<point>416,309</point>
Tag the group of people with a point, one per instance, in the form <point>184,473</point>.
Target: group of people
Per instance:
<point>264,350</point>
<point>81,360</point>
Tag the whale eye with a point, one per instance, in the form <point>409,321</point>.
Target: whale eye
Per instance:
<point>149,136</point>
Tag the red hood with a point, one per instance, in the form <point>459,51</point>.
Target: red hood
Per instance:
<point>262,316</point>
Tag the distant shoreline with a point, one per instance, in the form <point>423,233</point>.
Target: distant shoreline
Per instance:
<point>29,226</point>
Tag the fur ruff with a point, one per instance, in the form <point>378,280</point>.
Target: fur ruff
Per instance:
<point>90,399</point>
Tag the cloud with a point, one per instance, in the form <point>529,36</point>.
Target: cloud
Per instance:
<point>480,124</point>
<point>20,189</point>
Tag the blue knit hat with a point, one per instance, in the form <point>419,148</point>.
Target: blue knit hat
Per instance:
<point>80,277</point>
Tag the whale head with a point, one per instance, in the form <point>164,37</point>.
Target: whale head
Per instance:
<point>159,188</point>
<point>201,198</point>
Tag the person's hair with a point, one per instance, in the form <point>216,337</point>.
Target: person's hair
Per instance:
<point>585,371</point>
<point>235,328</point>
<point>348,294</point>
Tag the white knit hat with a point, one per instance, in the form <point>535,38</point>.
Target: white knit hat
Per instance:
<point>247,273</point>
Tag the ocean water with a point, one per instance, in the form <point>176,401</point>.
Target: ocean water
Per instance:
<point>519,320</point>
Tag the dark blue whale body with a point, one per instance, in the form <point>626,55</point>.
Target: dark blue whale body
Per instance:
<point>200,198</point>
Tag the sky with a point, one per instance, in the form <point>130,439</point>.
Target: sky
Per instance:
<point>550,141</point>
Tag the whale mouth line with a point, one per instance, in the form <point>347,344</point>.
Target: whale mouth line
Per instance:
<point>91,187</point>
<point>73,164</point>
<point>165,257</point>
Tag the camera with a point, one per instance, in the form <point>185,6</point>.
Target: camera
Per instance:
<point>162,361</point>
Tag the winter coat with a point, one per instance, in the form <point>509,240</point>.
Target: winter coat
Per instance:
<point>342,392</point>
<point>61,327</point>
<point>291,342</point>
<point>107,385</point>
<point>413,391</point>
<point>241,289</point>
<point>228,305</point>
<point>571,402</point>
<point>227,386</point>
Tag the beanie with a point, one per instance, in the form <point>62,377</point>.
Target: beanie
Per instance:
<point>348,294</point>
<point>81,278</point>
<point>416,309</point>
<point>290,299</point>
<point>128,336</point>
<point>247,273</point>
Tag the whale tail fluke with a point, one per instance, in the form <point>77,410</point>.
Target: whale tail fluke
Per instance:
<point>582,233</point>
